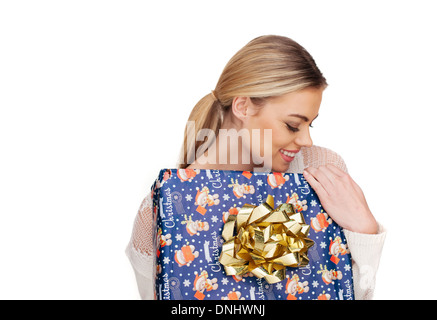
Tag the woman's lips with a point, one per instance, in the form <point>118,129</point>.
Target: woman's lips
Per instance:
<point>288,155</point>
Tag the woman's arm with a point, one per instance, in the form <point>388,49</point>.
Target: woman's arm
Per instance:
<point>348,207</point>
<point>145,286</point>
<point>366,252</point>
<point>140,250</point>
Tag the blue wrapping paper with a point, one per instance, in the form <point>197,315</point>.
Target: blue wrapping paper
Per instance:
<point>191,207</point>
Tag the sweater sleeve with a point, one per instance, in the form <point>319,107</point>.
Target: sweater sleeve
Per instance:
<point>140,249</point>
<point>366,252</point>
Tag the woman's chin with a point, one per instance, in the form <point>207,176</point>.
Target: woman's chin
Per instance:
<point>280,167</point>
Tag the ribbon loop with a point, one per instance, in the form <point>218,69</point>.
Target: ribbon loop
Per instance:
<point>267,241</point>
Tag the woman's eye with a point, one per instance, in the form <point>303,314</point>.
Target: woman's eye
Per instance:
<point>293,129</point>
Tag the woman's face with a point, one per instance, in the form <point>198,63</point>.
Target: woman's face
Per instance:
<point>289,117</point>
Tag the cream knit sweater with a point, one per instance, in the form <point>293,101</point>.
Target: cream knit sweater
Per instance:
<point>365,248</point>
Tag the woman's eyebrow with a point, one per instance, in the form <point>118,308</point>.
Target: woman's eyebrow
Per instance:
<point>301,116</point>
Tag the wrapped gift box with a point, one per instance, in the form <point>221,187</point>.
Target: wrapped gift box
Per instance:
<point>191,209</point>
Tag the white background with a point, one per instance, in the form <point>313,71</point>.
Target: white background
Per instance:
<point>94,96</point>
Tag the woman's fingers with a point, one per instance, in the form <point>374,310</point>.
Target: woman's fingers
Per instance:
<point>331,175</point>
<point>344,175</point>
<point>323,176</point>
<point>314,183</point>
<point>341,198</point>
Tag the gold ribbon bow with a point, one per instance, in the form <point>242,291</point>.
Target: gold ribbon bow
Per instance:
<point>267,241</point>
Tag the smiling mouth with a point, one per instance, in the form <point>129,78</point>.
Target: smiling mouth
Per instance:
<point>287,153</point>
<point>290,153</point>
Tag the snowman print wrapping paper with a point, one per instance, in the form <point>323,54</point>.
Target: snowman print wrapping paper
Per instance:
<point>191,207</point>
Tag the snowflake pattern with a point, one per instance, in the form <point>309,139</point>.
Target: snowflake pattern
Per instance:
<point>187,283</point>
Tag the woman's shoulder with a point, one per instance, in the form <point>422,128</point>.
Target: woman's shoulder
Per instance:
<point>316,156</point>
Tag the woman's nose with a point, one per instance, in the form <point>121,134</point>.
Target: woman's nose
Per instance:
<point>304,139</point>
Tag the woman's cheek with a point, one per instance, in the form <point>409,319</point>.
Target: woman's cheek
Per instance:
<point>280,139</point>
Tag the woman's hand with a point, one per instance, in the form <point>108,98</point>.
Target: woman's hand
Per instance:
<point>342,199</point>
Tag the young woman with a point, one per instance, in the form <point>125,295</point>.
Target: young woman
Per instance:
<point>270,86</point>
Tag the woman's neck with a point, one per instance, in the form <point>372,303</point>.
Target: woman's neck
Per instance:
<point>226,153</point>
<point>221,155</point>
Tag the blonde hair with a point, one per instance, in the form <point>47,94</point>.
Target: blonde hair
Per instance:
<point>267,66</point>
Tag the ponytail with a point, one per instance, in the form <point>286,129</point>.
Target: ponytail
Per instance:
<point>206,114</point>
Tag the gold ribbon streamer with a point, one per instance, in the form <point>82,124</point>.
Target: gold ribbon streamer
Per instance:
<point>266,241</point>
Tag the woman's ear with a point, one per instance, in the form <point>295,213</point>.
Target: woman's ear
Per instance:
<point>240,107</point>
